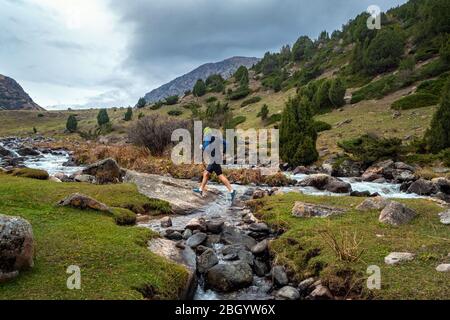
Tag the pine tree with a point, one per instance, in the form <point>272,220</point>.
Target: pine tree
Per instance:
<point>438,135</point>
<point>302,49</point>
<point>72,123</point>
<point>322,98</point>
<point>264,113</point>
<point>141,103</point>
<point>128,115</point>
<point>102,117</point>
<point>199,88</point>
<point>297,133</point>
<point>336,93</point>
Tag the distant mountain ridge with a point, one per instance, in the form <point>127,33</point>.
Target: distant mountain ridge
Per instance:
<point>178,86</point>
<point>13,97</point>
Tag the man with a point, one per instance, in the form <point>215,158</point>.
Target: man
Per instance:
<point>213,167</point>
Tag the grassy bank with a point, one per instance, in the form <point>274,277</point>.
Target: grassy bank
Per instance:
<point>114,260</point>
<point>304,251</point>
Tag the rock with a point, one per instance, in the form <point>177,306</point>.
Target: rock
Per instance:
<point>379,180</point>
<point>196,239</point>
<point>382,169</point>
<point>321,293</point>
<point>214,226</point>
<point>173,235</point>
<point>260,268</point>
<point>54,179</point>
<point>233,249</point>
<point>308,210</point>
<point>259,194</point>
<point>442,184</point>
<point>360,194</point>
<point>398,257</point>
<point>260,247</point>
<point>185,257</point>
<point>61,176</point>
<point>81,201</point>
<point>279,276</point>
<point>445,217</point>
<point>105,171</point>
<point>404,166</point>
<point>187,234</point>
<point>377,203</point>
<point>302,170</point>
<point>26,151</point>
<point>325,182</point>
<point>347,168</point>
<point>259,227</point>
<point>206,261</point>
<point>443,267</point>
<point>196,224</point>
<point>396,214</point>
<point>288,293</point>
<point>17,246</point>
<point>231,235</point>
<point>212,239</point>
<point>229,277</point>
<point>166,222</point>
<point>84,178</point>
<point>305,285</point>
<point>423,187</point>
<point>5,152</point>
<point>246,256</point>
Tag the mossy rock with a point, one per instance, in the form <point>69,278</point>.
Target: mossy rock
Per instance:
<point>151,207</point>
<point>30,173</point>
<point>123,217</point>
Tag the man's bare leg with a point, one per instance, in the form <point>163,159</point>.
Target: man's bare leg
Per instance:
<point>226,182</point>
<point>206,175</point>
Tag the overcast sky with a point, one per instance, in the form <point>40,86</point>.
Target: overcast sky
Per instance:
<point>105,53</point>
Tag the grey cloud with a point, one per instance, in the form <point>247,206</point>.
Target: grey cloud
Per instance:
<point>64,45</point>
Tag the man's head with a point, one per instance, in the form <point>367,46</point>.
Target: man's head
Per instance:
<point>207,131</point>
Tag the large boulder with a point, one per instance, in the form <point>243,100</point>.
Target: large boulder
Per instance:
<point>196,239</point>
<point>377,203</point>
<point>396,214</point>
<point>231,235</point>
<point>382,169</point>
<point>206,261</point>
<point>105,171</point>
<point>229,277</point>
<point>308,210</point>
<point>26,151</point>
<point>442,184</point>
<point>81,201</point>
<point>288,293</point>
<point>279,276</point>
<point>423,187</point>
<point>17,246</point>
<point>325,182</point>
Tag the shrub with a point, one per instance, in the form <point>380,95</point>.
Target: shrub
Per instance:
<point>40,115</point>
<point>438,135</point>
<point>369,148</point>
<point>199,88</point>
<point>30,173</point>
<point>302,49</point>
<point>128,115</point>
<point>72,124</point>
<point>233,123</point>
<point>217,115</point>
<point>123,217</point>
<point>241,76</point>
<point>376,89</point>
<point>336,93</point>
<point>322,98</point>
<point>211,99</point>
<point>322,126</point>
<point>250,101</point>
<point>157,105</point>
<point>141,103</point>
<point>215,83</point>
<point>274,118</point>
<point>433,86</point>
<point>417,100</point>
<point>175,113</point>
<point>297,133</point>
<point>240,93</point>
<point>141,115</point>
<point>154,132</point>
<point>264,113</point>
<point>102,117</point>
<point>171,100</point>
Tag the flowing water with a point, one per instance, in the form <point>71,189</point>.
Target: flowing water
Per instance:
<point>54,161</point>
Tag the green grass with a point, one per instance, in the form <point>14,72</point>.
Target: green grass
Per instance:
<point>303,250</point>
<point>414,101</point>
<point>114,260</point>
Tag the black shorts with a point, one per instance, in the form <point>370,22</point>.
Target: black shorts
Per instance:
<point>216,168</point>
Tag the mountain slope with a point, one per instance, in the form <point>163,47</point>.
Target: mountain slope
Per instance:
<point>186,82</point>
<point>13,97</point>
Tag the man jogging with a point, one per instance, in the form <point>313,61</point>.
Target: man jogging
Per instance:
<point>213,167</point>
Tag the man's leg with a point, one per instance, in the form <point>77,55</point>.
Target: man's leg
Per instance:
<point>226,182</point>
<point>204,181</point>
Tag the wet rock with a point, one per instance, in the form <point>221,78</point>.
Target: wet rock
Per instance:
<point>187,234</point>
<point>206,261</point>
<point>442,184</point>
<point>443,267</point>
<point>196,224</point>
<point>232,249</point>
<point>5,152</point>
<point>61,176</point>
<point>196,239</point>
<point>445,217</point>
<point>398,257</point>
<point>404,166</point>
<point>442,196</point>
<point>305,285</point>
<point>288,293</point>
<point>303,170</point>
<point>396,213</point>
<point>360,194</point>
<point>382,169</point>
<point>166,222</point>
<point>246,256</point>
<point>54,179</point>
<point>81,201</point>
<point>260,247</point>
<point>212,239</point>
<point>172,235</point>
<point>214,226</point>
<point>279,276</point>
<point>26,151</point>
<point>105,171</point>
<point>379,180</point>
<point>229,277</point>
<point>309,210</point>
<point>17,246</point>
<point>321,293</point>
<point>260,267</point>
<point>259,194</point>
<point>401,176</point>
<point>201,248</point>
<point>259,227</point>
<point>422,187</point>
<point>377,203</point>
<point>84,178</point>
<point>326,182</point>
<point>347,168</point>
<point>231,235</point>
